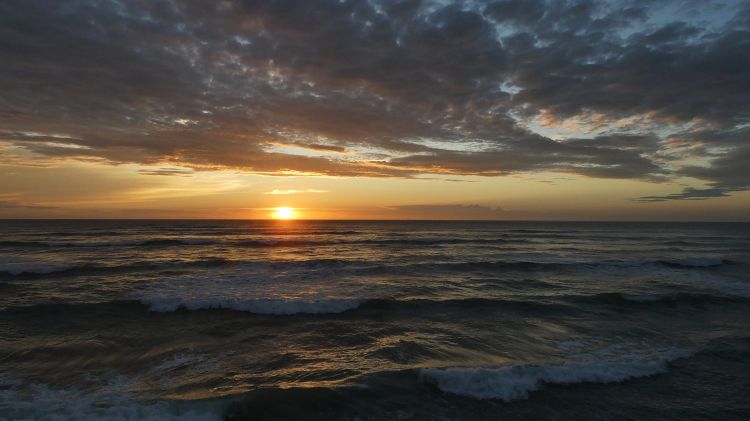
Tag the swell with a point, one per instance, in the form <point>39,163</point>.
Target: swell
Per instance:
<point>622,299</point>
<point>438,241</point>
<point>334,238</point>
<point>42,270</point>
<point>422,390</point>
<point>252,243</point>
<point>366,307</point>
<point>695,263</point>
<point>562,303</point>
<point>105,244</point>
<point>79,234</point>
<point>261,243</point>
<point>266,306</point>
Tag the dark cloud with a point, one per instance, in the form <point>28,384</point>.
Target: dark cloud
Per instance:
<point>689,193</point>
<point>319,147</point>
<point>727,159</point>
<point>610,157</point>
<point>381,88</point>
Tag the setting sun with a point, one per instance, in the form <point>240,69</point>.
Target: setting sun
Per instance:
<point>283,213</point>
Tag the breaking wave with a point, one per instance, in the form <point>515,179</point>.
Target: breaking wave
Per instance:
<point>112,401</point>
<point>516,382</point>
<point>255,305</point>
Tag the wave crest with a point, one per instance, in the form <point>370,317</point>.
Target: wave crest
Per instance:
<point>254,305</point>
<point>516,382</point>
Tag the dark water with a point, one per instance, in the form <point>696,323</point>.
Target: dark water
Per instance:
<point>374,320</point>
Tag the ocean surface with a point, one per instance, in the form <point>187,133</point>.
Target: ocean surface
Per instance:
<point>374,320</point>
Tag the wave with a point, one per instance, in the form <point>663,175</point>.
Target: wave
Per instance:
<point>112,401</point>
<point>255,305</point>
<point>19,243</point>
<point>360,267</point>
<point>701,262</point>
<point>541,231</point>
<point>279,243</point>
<point>162,301</point>
<point>268,306</point>
<point>530,266</point>
<point>166,242</point>
<point>313,239</point>
<point>438,241</point>
<point>369,241</point>
<point>379,305</point>
<point>617,298</point>
<point>104,244</point>
<point>564,303</point>
<point>701,244</point>
<point>29,270</point>
<point>515,382</point>
<point>306,232</point>
<point>34,270</point>
<point>13,269</point>
<point>79,234</point>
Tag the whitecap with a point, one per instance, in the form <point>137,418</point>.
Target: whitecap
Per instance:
<point>509,383</point>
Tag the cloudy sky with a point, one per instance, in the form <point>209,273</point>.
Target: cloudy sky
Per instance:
<point>507,109</point>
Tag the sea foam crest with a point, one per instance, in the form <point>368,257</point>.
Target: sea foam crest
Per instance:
<point>252,305</point>
<point>515,382</point>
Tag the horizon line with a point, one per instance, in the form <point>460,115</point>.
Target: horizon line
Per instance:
<point>377,220</point>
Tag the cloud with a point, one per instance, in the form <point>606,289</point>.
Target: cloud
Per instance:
<point>8,204</point>
<point>449,212</point>
<point>381,88</point>
<point>294,191</point>
<point>726,168</point>
<point>689,193</point>
<point>181,172</point>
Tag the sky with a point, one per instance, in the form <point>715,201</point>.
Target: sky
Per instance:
<point>375,109</point>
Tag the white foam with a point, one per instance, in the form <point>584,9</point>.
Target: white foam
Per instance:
<point>511,383</point>
<point>114,401</point>
<point>252,305</point>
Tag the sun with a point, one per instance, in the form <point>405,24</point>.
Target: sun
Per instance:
<point>283,213</point>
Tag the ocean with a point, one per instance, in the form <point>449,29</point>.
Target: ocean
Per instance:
<point>350,320</point>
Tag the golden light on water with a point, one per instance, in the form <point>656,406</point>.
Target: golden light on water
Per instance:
<point>284,213</point>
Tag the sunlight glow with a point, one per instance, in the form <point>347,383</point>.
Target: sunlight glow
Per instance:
<point>284,213</point>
